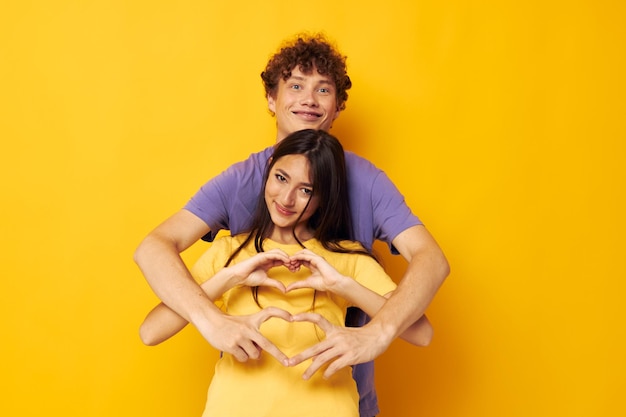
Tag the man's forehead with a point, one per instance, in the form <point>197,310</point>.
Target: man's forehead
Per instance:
<point>298,74</point>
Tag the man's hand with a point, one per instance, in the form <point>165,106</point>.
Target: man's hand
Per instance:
<point>343,346</point>
<point>240,335</point>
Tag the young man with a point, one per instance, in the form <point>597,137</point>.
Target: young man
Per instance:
<point>306,85</point>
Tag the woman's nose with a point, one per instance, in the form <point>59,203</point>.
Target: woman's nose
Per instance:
<point>288,198</point>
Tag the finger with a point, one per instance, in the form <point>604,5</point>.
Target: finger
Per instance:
<point>302,256</point>
<point>340,362</point>
<point>309,353</point>
<point>269,312</point>
<point>315,318</point>
<point>293,265</point>
<point>270,282</point>
<point>304,252</point>
<point>261,317</point>
<point>334,357</point>
<point>269,347</point>
<point>298,285</point>
<point>246,349</point>
<point>306,255</point>
<point>239,354</point>
<point>277,254</point>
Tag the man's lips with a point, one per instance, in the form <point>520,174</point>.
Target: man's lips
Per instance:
<point>307,114</point>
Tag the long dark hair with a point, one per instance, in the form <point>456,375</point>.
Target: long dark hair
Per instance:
<point>331,222</point>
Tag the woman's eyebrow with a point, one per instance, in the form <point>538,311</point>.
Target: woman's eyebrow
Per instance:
<point>286,175</point>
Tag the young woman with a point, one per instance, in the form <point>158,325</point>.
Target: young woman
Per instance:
<point>295,273</point>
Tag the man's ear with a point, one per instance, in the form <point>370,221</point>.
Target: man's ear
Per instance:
<point>337,113</point>
<point>271,103</point>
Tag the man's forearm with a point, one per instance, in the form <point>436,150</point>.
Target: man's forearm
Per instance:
<point>169,278</point>
<point>406,304</point>
<point>425,273</point>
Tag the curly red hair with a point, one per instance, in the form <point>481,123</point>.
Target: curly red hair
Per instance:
<point>308,52</point>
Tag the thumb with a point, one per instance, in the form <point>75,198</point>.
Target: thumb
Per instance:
<point>298,285</point>
<point>270,282</point>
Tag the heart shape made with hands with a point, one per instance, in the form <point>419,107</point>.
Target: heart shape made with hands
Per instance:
<point>321,276</point>
<point>281,275</point>
<point>291,334</point>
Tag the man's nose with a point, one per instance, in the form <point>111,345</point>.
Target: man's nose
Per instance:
<point>308,98</point>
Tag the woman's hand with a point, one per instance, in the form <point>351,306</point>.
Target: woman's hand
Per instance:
<point>253,271</point>
<point>323,276</point>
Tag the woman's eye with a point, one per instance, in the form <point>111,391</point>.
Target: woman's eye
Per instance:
<point>280,178</point>
<point>307,191</point>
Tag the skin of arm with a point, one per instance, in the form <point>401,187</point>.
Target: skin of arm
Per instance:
<point>158,257</point>
<point>425,273</point>
<point>162,322</point>
<point>419,333</point>
<point>326,278</point>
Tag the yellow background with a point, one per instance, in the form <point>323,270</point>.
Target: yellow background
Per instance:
<point>501,121</point>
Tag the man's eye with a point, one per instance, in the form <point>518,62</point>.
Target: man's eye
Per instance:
<point>324,90</point>
<point>295,87</point>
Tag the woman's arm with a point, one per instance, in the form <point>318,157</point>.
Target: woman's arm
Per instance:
<point>161,323</point>
<point>420,333</point>
<point>325,277</point>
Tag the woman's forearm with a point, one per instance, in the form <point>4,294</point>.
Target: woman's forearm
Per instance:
<point>419,333</point>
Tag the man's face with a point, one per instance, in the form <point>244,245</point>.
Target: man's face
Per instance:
<point>304,101</point>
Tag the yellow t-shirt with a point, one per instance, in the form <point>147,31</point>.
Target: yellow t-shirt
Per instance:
<point>264,387</point>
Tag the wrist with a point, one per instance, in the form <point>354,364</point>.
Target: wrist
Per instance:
<point>221,282</point>
<point>386,332</point>
<point>203,312</point>
<point>342,287</point>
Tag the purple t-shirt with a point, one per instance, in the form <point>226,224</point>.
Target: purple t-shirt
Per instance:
<point>378,211</point>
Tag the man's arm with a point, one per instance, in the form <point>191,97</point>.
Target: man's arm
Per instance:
<point>324,277</point>
<point>425,273</point>
<point>158,257</point>
<point>161,323</point>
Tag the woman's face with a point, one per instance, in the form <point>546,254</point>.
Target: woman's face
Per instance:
<point>288,189</point>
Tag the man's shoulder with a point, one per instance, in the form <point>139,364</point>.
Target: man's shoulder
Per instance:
<point>257,159</point>
<point>354,161</point>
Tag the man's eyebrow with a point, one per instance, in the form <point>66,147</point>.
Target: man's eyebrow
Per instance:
<point>301,78</point>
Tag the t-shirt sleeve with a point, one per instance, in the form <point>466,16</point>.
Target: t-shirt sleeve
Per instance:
<point>371,274</point>
<point>392,215</point>
<point>228,200</point>
<point>379,210</point>
<point>210,203</point>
